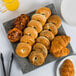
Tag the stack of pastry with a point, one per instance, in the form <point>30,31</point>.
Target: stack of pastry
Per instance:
<point>31,32</point>
<point>39,53</point>
<point>19,24</point>
<point>59,43</point>
<point>46,33</point>
<point>50,29</point>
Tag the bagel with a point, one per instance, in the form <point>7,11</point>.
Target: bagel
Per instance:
<point>31,32</point>
<point>40,18</point>
<point>23,49</point>
<point>40,47</point>
<point>44,41</point>
<point>55,20</point>
<point>51,27</point>
<point>44,11</point>
<point>35,24</point>
<point>36,58</point>
<point>47,34</point>
<point>27,39</point>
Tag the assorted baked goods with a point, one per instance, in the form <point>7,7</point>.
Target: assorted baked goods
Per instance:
<point>31,33</point>
<point>41,44</point>
<point>19,24</point>
<point>67,68</point>
<point>42,28</point>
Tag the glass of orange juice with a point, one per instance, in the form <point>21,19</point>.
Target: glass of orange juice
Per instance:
<point>10,5</point>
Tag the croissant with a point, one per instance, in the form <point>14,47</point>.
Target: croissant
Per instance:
<point>67,68</point>
<point>61,53</point>
<point>58,44</point>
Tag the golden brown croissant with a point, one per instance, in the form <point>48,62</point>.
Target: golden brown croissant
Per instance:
<point>61,53</point>
<point>67,68</point>
<point>59,43</point>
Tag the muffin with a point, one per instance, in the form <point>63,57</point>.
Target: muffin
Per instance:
<point>21,21</point>
<point>14,35</point>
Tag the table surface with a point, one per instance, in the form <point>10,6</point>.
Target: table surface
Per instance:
<point>6,49</point>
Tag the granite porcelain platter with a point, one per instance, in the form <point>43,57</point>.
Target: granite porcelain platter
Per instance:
<point>24,63</point>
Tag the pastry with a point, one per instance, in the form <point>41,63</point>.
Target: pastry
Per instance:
<point>14,35</point>
<point>47,34</point>
<point>21,21</point>
<point>59,43</point>
<point>27,39</point>
<point>36,25</point>
<point>51,27</point>
<point>40,18</point>
<point>67,68</point>
<point>44,41</point>
<point>31,32</point>
<point>61,53</point>
<point>36,58</point>
<point>40,47</point>
<point>23,49</point>
<point>66,39</point>
<point>44,11</point>
<point>55,20</point>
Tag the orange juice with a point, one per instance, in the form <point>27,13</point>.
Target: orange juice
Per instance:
<point>11,5</point>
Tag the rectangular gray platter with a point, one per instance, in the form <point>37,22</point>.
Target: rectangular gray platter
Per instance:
<point>24,63</point>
